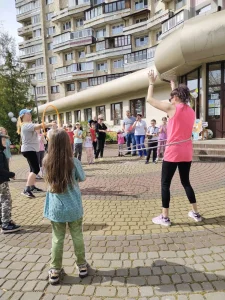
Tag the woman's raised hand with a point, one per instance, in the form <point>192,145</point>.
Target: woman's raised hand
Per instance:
<point>152,77</point>
<point>172,84</point>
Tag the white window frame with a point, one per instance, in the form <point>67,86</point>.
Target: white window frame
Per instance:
<point>117,29</point>
<point>102,66</point>
<point>118,64</point>
<point>66,25</point>
<point>142,41</point>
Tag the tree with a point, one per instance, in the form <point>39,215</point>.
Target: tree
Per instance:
<point>14,86</point>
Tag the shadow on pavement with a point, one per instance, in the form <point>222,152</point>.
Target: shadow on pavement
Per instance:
<point>220,220</point>
<point>166,277</point>
<point>46,228</point>
<point>101,192</point>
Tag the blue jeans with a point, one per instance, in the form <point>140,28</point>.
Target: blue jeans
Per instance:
<point>140,141</point>
<point>131,140</point>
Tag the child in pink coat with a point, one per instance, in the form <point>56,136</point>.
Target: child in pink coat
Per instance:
<point>120,142</point>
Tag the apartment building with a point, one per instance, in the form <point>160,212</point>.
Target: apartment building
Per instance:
<point>92,56</point>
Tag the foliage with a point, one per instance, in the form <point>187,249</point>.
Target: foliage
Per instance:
<point>111,137</point>
<point>14,87</point>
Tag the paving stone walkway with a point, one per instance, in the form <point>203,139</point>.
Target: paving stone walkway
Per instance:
<point>130,258</point>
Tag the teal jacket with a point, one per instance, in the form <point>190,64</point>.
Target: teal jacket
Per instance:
<point>66,207</point>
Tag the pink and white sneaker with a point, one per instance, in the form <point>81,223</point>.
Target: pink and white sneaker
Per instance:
<point>195,216</point>
<point>160,220</point>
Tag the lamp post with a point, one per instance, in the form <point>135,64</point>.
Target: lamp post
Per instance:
<point>34,84</point>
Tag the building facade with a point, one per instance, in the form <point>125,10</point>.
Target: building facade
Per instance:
<point>91,57</point>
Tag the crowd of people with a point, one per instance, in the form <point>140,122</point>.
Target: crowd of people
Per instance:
<point>62,169</point>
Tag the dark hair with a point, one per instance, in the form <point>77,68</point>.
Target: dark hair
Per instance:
<point>182,92</point>
<point>153,120</point>
<point>69,126</point>
<point>58,163</point>
<point>164,118</point>
<point>140,115</point>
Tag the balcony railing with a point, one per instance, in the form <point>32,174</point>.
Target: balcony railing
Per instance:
<point>141,55</point>
<point>72,36</point>
<point>74,68</point>
<point>115,42</point>
<point>173,22</point>
<point>97,2</point>
<point>30,51</point>
<point>106,78</point>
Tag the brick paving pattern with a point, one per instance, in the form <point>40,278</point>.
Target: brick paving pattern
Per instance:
<point>130,257</point>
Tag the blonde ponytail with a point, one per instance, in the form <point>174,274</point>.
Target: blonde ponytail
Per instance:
<point>19,125</point>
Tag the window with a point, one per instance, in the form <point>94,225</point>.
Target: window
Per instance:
<point>40,90</point>
<point>49,2</point>
<point>140,4</point>
<point>37,33</point>
<point>100,110</point>
<point>117,29</point>
<point>137,106</point>
<point>143,19</point>
<point>102,79</point>
<point>77,115</point>
<point>31,50</point>
<point>70,87</point>
<point>157,36</point>
<point>54,89</point>
<point>82,85</point>
<point>79,22</point>
<point>180,4</point>
<point>50,46</point>
<point>67,25</point>
<point>27,7</point>
<point>141,41</point>
<point>96,2</point>
<point>100,33</point>
<point>49,16</point>
<point>117,112</point>
<point>68,117</point>
<point>203,10</point>
<point>51,30</point>
<point>118,64</point>
<point>94,12</point>
<point>81,54</point>
<point>102,66</point>
<point>122,41</point>
<point>35,19</point>
<point>52,60</point>
<point>114,6</point>
<point>87,114</point>
<point>39,62</point>
<point>68,56</point>
<point>40,76</point>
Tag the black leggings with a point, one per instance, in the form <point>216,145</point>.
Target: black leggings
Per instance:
<point>154,150</point>
<point>32,160</point>
<point>168,170</point>
<point>100,148</point>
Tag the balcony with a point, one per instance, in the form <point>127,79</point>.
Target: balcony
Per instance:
<point>107,12</point>
<point>174,22</point>
<point>74,7</point>
<point>27,10</point>
<point>73,39</point>
<point>105,78</point>
<point>111,47</point>
<point>31,53</point>
<point>30,42</point>
<point>139,59</point>
<point>157,20</point>
<point>74,71</point>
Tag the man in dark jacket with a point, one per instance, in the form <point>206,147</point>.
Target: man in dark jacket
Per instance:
<point>8,225</point>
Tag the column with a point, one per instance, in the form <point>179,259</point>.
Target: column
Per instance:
<point>204,93</point>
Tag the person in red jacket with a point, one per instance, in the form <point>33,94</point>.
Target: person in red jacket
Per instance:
<point>70,134</point>
<point>93,136</point>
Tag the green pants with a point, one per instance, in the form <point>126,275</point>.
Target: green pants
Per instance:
<point>58,236</point>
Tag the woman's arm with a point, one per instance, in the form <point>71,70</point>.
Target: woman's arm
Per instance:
<point>40,126</point>
<point>161,105</point>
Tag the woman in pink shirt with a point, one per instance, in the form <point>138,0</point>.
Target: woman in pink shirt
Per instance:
<point>179,128</point>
